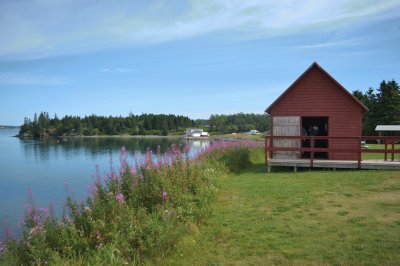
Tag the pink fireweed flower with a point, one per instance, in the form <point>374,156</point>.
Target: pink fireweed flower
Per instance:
<point>120,198</point>
<point>132,171</point>
<point>97,171</point>
<point>123,157</point>
<point>95,190</point>
<point>44,213</point>
<point>148,167</point>
<point>164,196</point>
<point>121,172</point>
<point>28,209</point>
<point>148,161</point>
<point>158,151</point>
<point>36,219</point>
<point>113,176</point>
<point>159,163</point>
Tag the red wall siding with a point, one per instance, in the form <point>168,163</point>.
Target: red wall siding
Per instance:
<point>315,94</point>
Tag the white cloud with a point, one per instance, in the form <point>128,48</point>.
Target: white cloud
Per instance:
<point>12,78</point>
<point>118,70</point>
<point>328,44</point>
<point>46,27</point>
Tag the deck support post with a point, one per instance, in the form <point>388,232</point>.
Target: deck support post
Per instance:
<point>295,169</point>
<point>359,153</point>
<point>266,149</point>
<point>312,152</point>
<point>269,169</point>
<point>385,150</point>
<point>392,151</point>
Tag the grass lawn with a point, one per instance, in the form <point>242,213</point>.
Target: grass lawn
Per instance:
<point>303,218</point>
<point>369,156</point>
<point>260,137</point>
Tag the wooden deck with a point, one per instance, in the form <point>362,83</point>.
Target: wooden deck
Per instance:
<point>365,164</point>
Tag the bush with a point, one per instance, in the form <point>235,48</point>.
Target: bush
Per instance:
<point>134,213</point>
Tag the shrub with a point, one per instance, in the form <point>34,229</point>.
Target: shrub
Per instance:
<point>134,213</point>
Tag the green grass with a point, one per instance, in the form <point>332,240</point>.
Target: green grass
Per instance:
<point>259,137</point>
<point>303,218</point>
<point>381,156</point>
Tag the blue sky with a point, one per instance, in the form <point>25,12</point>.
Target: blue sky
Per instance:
<point>194,58</point>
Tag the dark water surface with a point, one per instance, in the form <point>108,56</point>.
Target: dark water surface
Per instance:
<point>49,166</point>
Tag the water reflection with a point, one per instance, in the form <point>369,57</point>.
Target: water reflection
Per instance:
<point>69,149</point>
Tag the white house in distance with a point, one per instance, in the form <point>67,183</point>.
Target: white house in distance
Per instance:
<point>254,132</point>
<point>195,133</point>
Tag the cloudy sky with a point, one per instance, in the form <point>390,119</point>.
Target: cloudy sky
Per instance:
<point>194,58</point>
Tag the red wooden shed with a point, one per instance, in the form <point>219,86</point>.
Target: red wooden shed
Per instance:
<point>316,105</point>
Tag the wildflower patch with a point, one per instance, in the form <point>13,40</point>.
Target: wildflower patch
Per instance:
<point>135,212</point>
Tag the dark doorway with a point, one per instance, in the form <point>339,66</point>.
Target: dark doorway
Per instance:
<point>315,126</point>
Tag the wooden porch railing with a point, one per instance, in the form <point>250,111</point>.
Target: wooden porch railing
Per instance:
<point>389,146</point>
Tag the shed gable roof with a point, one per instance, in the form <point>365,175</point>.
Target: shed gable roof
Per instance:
<point>339,86</point>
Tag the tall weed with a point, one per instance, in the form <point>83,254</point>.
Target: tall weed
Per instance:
<point>134,213</point>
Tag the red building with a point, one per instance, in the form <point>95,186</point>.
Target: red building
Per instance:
<point>316,105</point>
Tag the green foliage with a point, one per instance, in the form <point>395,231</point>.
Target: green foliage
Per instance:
<point>238,122</point>
<point>135,215</point>
<point>383,105</point>
<point>145,124</point>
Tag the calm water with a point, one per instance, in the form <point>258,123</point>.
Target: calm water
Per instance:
<point>47,166</point>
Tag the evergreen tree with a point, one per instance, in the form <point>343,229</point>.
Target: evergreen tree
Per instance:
<point>388,102</point>
<point>384,106</point>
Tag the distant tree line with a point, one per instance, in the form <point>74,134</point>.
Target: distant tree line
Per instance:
<point>144,124</point>
<point>383,105</point>
<point>238,122</point>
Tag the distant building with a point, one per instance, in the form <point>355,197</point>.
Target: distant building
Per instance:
<point>195,133</point>
<point>254,132</point>
<point>388,130</point>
